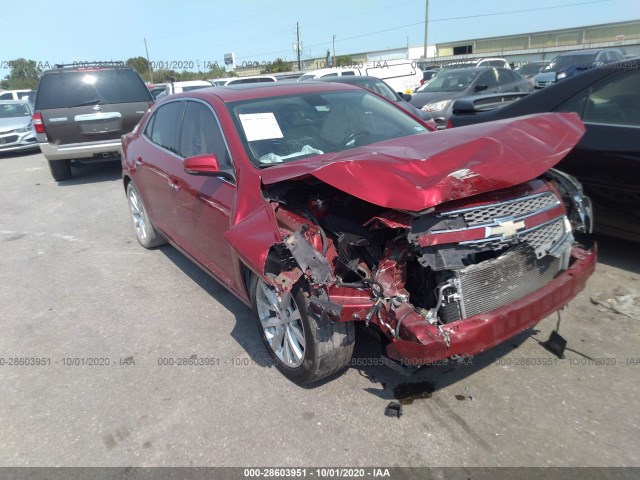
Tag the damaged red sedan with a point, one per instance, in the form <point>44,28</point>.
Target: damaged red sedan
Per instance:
<point>322,205</point>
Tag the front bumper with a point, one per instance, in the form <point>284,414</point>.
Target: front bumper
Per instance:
<point>481,332</point>
<point>14,142</point>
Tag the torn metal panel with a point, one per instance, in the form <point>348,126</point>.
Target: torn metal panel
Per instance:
<point>309,259</point>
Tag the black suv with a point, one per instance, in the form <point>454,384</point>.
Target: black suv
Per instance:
<point>82,111</point>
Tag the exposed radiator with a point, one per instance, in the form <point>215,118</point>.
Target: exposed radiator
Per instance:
<point>495,283</point>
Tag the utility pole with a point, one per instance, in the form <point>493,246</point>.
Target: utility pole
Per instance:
<point>333,63</point>
<point>148,61</point>
<point>298,46</point>
<point>426,27</point>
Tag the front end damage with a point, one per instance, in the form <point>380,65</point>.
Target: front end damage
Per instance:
<point>453,279</point>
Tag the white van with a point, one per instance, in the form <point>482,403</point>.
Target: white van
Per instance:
<point>222,82</point>
<point>402,75</point>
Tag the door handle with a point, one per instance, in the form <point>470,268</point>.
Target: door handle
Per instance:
<point>173,185</point>
<point>138,161</point>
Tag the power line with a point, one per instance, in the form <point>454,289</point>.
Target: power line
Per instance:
<point>462,18</point>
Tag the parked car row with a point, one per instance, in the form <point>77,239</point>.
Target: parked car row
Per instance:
<point>606,160</point>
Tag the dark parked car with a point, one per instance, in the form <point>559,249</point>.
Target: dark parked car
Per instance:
<point>437,95</point>
<point>380,87</point>
<point>428,75</point>
<point>569,64</point>
<point>322,204</point>
<point>607,158</point>
<point>81,112</point>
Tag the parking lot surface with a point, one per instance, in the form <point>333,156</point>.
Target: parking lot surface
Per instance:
<point>94,329</point>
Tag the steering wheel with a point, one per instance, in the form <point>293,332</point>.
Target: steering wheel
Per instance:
<point>350,139</point>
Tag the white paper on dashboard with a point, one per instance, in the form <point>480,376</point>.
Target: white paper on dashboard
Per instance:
<point>260,126</point>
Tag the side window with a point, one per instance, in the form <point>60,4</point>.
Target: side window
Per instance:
<point>348,72</point>
<point>505,76</point>
<point>165,126</point>
<point>6,96</point>
<point>201,134</point>
<point>488,78</point>
<point>330,75</point>
<point>614,102</point>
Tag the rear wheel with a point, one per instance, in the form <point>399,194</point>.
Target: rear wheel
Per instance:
<point>60,169</point>
<point>146,234</point>
<point>304,346</point>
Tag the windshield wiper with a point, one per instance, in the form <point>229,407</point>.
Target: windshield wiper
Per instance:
<point>97,101</point>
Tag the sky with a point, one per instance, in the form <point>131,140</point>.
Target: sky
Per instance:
<point>199,32</point>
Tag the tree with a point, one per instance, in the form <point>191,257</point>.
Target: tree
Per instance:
<point>278,65</point>
<point>343,61</point>
<point>142,67</point>
<point>216,72</point>
<point>24,74</point>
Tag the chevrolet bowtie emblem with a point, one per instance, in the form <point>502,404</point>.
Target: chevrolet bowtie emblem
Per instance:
<point>507,229</point>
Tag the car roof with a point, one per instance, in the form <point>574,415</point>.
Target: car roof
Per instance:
<point>190,83</point>
<point>350,79</point>
<point>14,102</point>
<point>467,69</point>
<point>588,51</point>
<point>246,91</point>
<point>87,68</point>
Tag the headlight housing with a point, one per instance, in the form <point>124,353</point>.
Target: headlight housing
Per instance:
<point>436,106</point>
<point>28,128</point>
<point>561,75</point>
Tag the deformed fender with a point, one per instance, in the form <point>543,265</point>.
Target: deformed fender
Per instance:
<point>253,236</point>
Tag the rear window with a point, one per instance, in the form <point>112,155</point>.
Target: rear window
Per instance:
<point>77,88</point>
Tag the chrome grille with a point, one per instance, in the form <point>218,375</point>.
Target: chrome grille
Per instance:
<point>544,237</point>
<point>495,283</point>
<point>521,207</point>
<point>541,238</point>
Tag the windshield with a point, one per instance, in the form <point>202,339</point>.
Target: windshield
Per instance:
<point>450,81</point>
<point>563,61</point>
<point>282,129</point>
<point>375,85</point>
<point>14,110</point>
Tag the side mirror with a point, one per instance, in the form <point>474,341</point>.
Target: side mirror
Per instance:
<point>481,88</point>
<point>405,96</point>
<point>206,166</point>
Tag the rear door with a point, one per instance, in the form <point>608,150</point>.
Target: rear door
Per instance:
<point>157,150</point>
<point>91,105</point>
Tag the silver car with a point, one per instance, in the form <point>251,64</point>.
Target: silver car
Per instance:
<point>16,126</point>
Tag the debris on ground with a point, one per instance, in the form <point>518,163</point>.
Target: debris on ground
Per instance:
<point>394,409</point>
<point>620,300</point>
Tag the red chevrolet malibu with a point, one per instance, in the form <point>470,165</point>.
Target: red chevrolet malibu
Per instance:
<point>322,205</point>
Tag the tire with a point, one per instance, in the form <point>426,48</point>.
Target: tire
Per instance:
<point>326,346</point>
<point>145,232</point>
<point>60,169</point>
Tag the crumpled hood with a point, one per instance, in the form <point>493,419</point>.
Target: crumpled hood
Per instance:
<point>421,171</point>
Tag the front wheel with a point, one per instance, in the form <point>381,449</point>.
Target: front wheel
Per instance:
<point>304,346</point>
